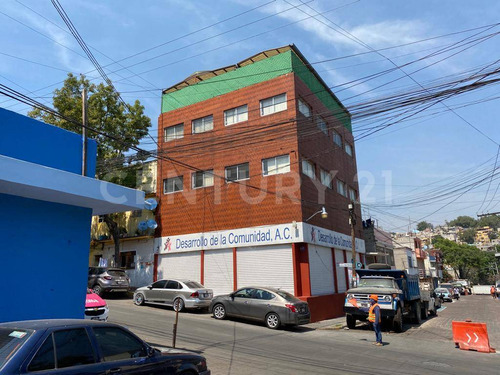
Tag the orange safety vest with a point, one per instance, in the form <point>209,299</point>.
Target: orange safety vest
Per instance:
<point>371,314</point>
<point>492,290</point>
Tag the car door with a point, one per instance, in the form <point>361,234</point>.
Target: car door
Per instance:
<point>155,292</point>
<point>261,303</point>
<point>123,353</point>
<point>171,291</point>
<point>241,302</point>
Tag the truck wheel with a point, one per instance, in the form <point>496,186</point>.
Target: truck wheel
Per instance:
<point>351,321</point>
<point>397,321</point>
<point>417,311</point>
<point>425,310</point>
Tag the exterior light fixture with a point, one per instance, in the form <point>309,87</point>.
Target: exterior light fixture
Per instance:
<point>323,213</point>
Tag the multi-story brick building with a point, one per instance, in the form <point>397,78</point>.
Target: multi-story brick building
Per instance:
<point>248,153</point>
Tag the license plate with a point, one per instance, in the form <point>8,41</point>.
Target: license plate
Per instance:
<point>95,318</point>
<point>119,282</point>
<point>364,304</point>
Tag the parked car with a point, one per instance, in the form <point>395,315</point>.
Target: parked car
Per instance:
<point>444,293</point>
<point>103,280</point>
<point>447,286</point>
<point>95,307</point>
<point>86,347</point>
<point>181,294</point>
<point>273,306</point>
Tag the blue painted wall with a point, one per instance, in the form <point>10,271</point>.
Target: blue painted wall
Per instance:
<point>31,140</point>
<point>44,250</point>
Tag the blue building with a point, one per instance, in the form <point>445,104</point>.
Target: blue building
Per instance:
<point>46,206</point>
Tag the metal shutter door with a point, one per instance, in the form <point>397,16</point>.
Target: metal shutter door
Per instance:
<point>180,266</point>
<point>321,270</point>
<point>339,258</point>
<point>270,266</point>
<point>219,271</point>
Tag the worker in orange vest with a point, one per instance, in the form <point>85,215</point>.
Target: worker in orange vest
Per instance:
<point>493,291</point>
<point>375,318</point>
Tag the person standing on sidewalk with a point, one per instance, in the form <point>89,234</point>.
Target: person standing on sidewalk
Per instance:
<point>493,291</point>
<point>375,318</point>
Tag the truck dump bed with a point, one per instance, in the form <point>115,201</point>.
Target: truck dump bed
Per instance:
<point>407,283</point>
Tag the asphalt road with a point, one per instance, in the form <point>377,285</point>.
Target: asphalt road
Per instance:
<point>237,347</point>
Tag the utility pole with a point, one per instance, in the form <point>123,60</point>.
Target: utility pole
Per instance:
<point>84,132</point>
<point>352,223</point>
<point>489,214</point>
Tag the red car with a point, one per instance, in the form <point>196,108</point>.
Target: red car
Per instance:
<point>95,307</point>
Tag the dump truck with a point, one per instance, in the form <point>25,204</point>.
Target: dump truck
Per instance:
<point>399,297</point>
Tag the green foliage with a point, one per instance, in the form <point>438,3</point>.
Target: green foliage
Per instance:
<point>492,221</point>
<point>106,114</point>
<point>423,225</point>
<point>493,235</point>
<point>468,236</point>
<point>464,222</point>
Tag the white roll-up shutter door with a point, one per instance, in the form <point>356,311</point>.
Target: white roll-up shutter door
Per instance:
<point>180,266</point>
<point>270,266</point>
<point>321,270</point>
<point>339,258</point>
<point>219,271</point>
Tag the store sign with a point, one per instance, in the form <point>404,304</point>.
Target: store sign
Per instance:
<point>258,236</point>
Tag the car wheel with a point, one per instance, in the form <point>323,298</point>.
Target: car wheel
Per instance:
<point>417,312</point>
<point>97,289</point>
<point>273,321</point>
<point>351,321</point>
<point>425,311</point>
<point>178,304</point>
<point>219,311</point>
<point>139,299</point>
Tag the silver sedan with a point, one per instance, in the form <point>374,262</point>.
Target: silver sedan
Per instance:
<point>181,294</point>
<point>273,306</point>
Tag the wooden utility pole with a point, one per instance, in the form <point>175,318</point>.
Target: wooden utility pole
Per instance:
<point>176,308</point>
<point>84,132</point>
<point>352,223</point>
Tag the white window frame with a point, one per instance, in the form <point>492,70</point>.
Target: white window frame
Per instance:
<point>352,195</point>
<point>304,108</point>
<point>178,134</point>
<point>238,172</point>
<point>326,178</point>
<point>273,107</point>
<point>172,179</point>
<point>240,115</point>
<point>348,149</point>
<point>341,188</point>
<point>277,169</point>
<point>205,122</point>
<point>337,139</point>
<point>208,178</point>
<point>308,169</point>
<point>321,124</point>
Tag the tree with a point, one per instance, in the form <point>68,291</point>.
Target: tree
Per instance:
<point>423,225</point>
<point>127,124</point>
<point>464,222</point>
<point>468,236</point>
<point>492,221</point>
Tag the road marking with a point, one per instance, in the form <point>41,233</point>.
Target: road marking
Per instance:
<point>441,308</point>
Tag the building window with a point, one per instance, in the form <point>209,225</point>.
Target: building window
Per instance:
<point>101,219</point>
<point>308,168</point>
<point>235,115</point>
<point>272,105</point>
<point>173,184</point>
<point>136,213</point>
<point>352,195</point>
<point>174,132</point>
<point>276,165</point>
<point>348,149</point>
<point>304,108</point>
<point>337,139</point>
<point>237,172</point>
<point>127,260</point>
<point>326,178</point>
<point>321,124</point>
<point>203,179</point>
<point>203,124</point>
<point>341,189</point>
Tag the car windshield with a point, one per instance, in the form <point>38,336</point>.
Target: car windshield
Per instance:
<point>193,285</point>
<point>377,283</point>
<point>116,273</point>
<point>441,290</point>
<point>446,286</point>
<point>287,296</point>
<point>11,340</point>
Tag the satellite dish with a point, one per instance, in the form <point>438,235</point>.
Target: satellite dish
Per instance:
<point>142,225</point>
<point>152,224</point>
<point>150,204</point>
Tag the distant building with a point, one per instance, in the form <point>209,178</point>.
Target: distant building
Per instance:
<point>378,244</point>
<point>404,259</point>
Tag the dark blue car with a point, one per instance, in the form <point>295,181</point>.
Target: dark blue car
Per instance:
<point>86,347</point>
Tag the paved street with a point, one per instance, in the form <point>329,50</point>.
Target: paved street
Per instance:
<point>234,347</point>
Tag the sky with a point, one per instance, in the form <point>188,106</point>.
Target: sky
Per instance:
<point>434,166</point>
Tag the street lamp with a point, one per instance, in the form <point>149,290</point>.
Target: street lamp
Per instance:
<point>323,213</point>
